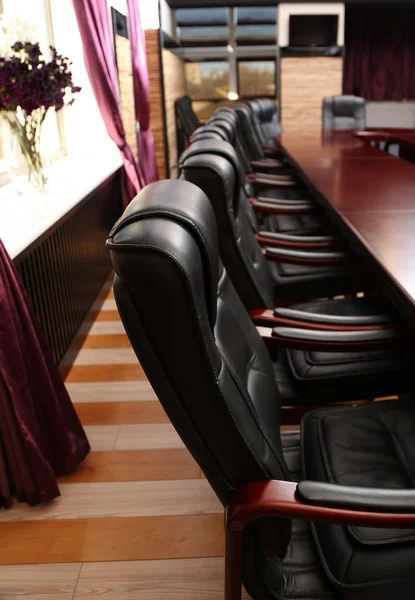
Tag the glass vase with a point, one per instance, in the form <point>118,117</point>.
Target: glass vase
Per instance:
<point>27,167</point>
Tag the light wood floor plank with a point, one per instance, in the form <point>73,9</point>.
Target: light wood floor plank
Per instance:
<point>109,304</point>
<point>102,372</point>
<point>110,391</point>
<point>38,582</point>
<point>112,413</point>
<point>104,327</point>
<point>106,356</point>
<point>102,437</point>
<point>108,315</point>
<point>92,540</point>
<point>115,340</point>
<point>179,579</point>
<point>121,499</point>
<point>135,465</point>
<point>148,437</point>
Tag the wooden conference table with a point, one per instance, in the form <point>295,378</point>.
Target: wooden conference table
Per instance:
<point>370,195</point>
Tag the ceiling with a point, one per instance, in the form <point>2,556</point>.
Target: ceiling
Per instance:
<point>209,3</point>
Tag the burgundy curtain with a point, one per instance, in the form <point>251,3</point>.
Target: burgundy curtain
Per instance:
<point>141,94</point>
<point>94,25</point>
<point>380,52</point>
<point>40,434</point>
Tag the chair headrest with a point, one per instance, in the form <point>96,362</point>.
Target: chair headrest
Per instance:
<point>209,128</point>
<point>183,203</point>
<point>268,109</point>
<point>223,149</point>
<point>228,126</point>
<point>346,106</point>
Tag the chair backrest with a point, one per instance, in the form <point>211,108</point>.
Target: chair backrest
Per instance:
<point>204,130</point>
<point>186,115</point>
<point>233,119</point>
<point>199,349</point>
<point>344,112</point>
<point>243,188</point>
<point>226,125</point>
<point>265,112</point>
<point>213,166</point>
<point>252,141</point>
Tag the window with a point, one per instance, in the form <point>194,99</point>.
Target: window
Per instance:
<point>29,19</point>
<point>202,26</point>
<point>256,78</point>
<point>255,26</point>
<point>207,80</point>
<point>230,52</point>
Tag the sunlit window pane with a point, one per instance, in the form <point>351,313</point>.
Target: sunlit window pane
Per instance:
<point>207,80</point>
<point>256,78</point>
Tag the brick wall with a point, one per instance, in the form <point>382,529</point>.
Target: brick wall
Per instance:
<point>305,81</point>
<point>156,104</point>
<point>174,87</point>
<point>125,78</point>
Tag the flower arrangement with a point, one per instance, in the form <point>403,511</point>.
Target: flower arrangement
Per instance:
<point>30,85</point>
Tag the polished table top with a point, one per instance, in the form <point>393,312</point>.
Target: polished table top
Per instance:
<point>370,195</point>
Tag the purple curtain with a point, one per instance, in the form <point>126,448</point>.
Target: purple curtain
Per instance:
<point>380,53</point>
<point>41,436</point>
<point>94,25</point>
<point>141,94</point>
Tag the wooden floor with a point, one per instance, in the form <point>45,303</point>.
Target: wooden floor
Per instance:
<point>137,521</point>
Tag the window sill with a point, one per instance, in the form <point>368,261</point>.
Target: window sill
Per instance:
<point>24,218</point>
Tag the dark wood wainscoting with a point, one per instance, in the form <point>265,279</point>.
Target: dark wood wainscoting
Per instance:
<point>65,269</point>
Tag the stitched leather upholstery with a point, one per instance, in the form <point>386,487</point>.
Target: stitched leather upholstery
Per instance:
<point>344,112</point>
<point>250,136</point>
<point>265,119</point>
<point>260,284</point>
<point>200,350</point>
<point>239,249</point>
<point>213,375</point>
<point>186,114</point>
<point>371,446</point>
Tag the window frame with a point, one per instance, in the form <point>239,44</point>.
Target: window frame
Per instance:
<point>209,60</point>
<point>240,60</point>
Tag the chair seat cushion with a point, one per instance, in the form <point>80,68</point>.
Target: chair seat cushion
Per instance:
<point>291,193</point>
<point>296,224</point>
<point>347,375</point>
<point>371,445</point>
<point>303,281</point>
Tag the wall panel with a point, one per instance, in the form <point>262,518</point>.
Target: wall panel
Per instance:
<point>305,81</point>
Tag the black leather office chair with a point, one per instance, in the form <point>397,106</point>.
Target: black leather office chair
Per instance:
<point>186,122</point>
<point>266,121</point>
<point>213,376</point>
<point>281,217</point>
<point>344,112</point>
<point>263,285</point>
<point>252,140</point>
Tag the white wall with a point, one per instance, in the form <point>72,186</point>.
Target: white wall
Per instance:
<point>149,12</point>
<point>285,10</point>
<point>84,127</point>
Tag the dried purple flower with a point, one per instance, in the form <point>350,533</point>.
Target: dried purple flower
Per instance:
<point>30,82</point>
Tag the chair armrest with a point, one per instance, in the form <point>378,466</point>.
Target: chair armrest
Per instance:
<point>356,498</point>
<point>274,498</point>
<point>331,341</point>
<point>296,241</point>
<point>290,201</point>
<point>264,181</point>
<point>254,177</point>
<point>266,163</point>
<point>381,320</point>
<point>289,318</point>
<point>268,208</point>
<point>302,257</point>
